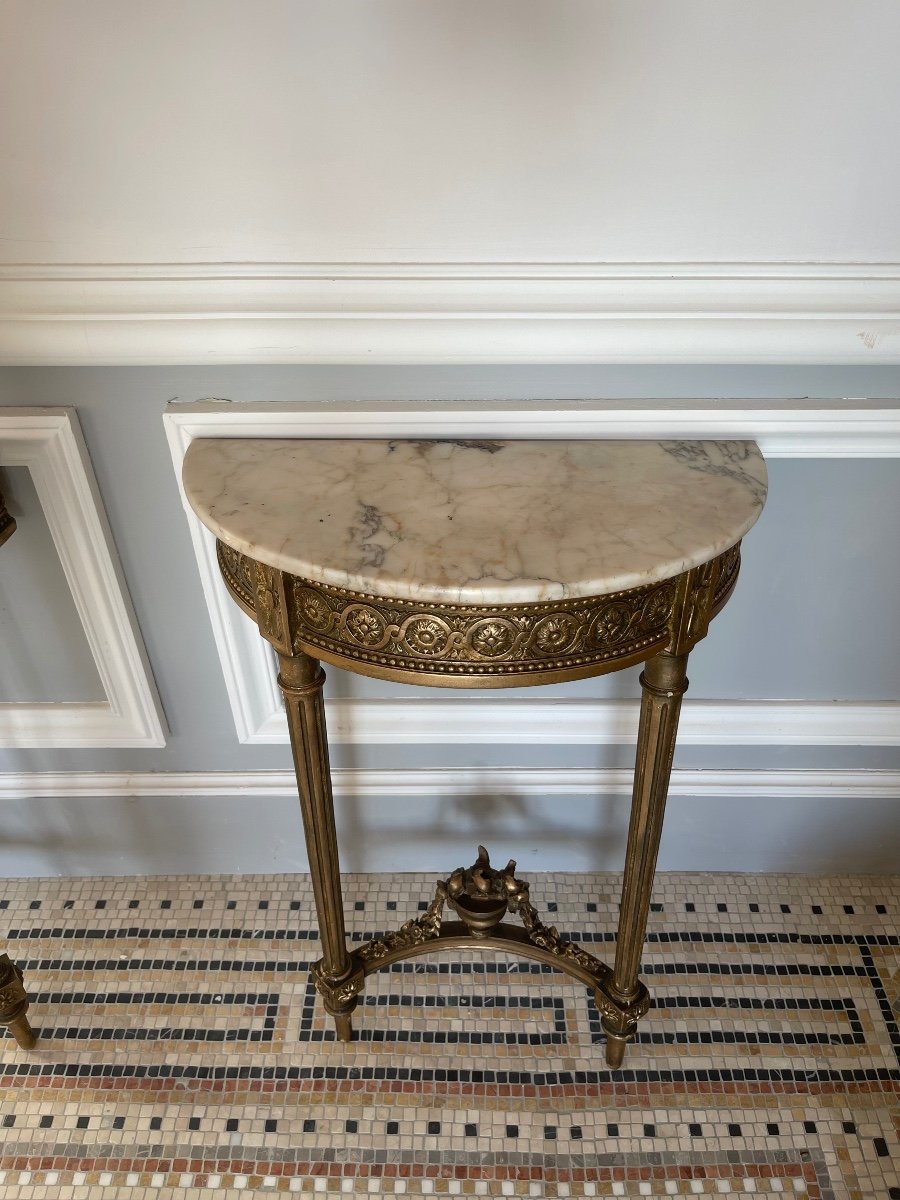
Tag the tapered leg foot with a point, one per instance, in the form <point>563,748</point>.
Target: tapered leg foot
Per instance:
<point>615,1049</point>
<point>14,1003</point>
<point>23,1033</point>
<point>343,1027</point>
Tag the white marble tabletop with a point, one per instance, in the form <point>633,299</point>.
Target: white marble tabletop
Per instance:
<point>477,522</point>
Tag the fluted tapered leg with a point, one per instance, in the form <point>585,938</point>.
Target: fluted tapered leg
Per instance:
<point>301,679</point>
<point>14,1003</point>
<point>663,683</point>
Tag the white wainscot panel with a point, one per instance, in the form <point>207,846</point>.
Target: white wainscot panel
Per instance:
<point>786,429</point>
<point>48,442</point>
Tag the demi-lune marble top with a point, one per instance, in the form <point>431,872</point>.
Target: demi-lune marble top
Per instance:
<point>477,522</point>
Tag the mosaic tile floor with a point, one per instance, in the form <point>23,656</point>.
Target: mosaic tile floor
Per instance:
<point>182,1054</point>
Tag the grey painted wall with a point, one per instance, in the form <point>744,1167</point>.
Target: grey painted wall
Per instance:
<point>35,603</point>
<point>814,617</point>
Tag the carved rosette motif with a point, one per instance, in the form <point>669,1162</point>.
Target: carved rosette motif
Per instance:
<point>237,572</point>
<point>339,995</point>
<point>471,640</point>
<point>503,639</point>
<point>622,1017</point>
<point>268,604</point>
<point>729,564</point>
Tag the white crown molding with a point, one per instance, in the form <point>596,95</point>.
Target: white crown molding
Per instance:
<point>450,313</point>
<point>453,783</point>
<point>48,442</point>
<point>811,428</point>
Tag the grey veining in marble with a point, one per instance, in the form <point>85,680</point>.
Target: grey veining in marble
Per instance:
<point>477,522</point>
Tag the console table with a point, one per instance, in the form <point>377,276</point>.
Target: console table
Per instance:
<point>480,564</point>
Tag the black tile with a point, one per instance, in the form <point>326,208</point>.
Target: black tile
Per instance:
<point>263,904</point>
<point>695,1130</point>
<point>309,1125</point>
<point>434,1127</point>
<point>35,904</point>
<point>165,904</point>
<point>656,908</point>
<point>9,1120</point>
<point>550,1133</point>
<point>612,1131</point>
<point>591,907</point>
<point>198,904</point>
<point>512,1131</point>
<point>359,906</point>
<point>99,904</point>
<point>351,1126</point>
<point>82,1122</point>
<point>690,907</point>
<point>118,1122</point>
<point>392,905</point>
<point>155,1122</point>
<point>849,1127</point>
<point>46,1122</point>
<point>734,1131</point>
<point>133,903</point>
<point>772,1129</point>
<point>193,1123</point>
<point>471,1131</point>
<point>810,1126</point>
<point>576,1132</point>
<point>880,1147</point>
<point>881,908</point>
<point>848,909</point>
<point>817,909</point>
<point>754,908</point>
<point>649,1131</point>
<point>785,908</point>
<point>393,1127</point>
<point>231,1125</point>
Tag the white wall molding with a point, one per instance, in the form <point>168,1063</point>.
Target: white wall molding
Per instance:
<point>811,428</point>
<point>517,721</point>
<point>48,442</point>
<point>452,783</point>
<point>482,312</point>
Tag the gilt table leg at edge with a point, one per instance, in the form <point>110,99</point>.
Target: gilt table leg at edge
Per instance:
<point>14,1003</point>
<point>301,679</point>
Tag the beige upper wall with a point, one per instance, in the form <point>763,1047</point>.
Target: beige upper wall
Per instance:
<point>574,130</point>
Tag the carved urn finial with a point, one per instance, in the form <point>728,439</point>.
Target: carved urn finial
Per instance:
<point>482,896</point>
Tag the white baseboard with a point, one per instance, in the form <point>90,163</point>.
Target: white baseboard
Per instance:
<point>457,782</point>
<point>486,312</point>
<point>600,722</point>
